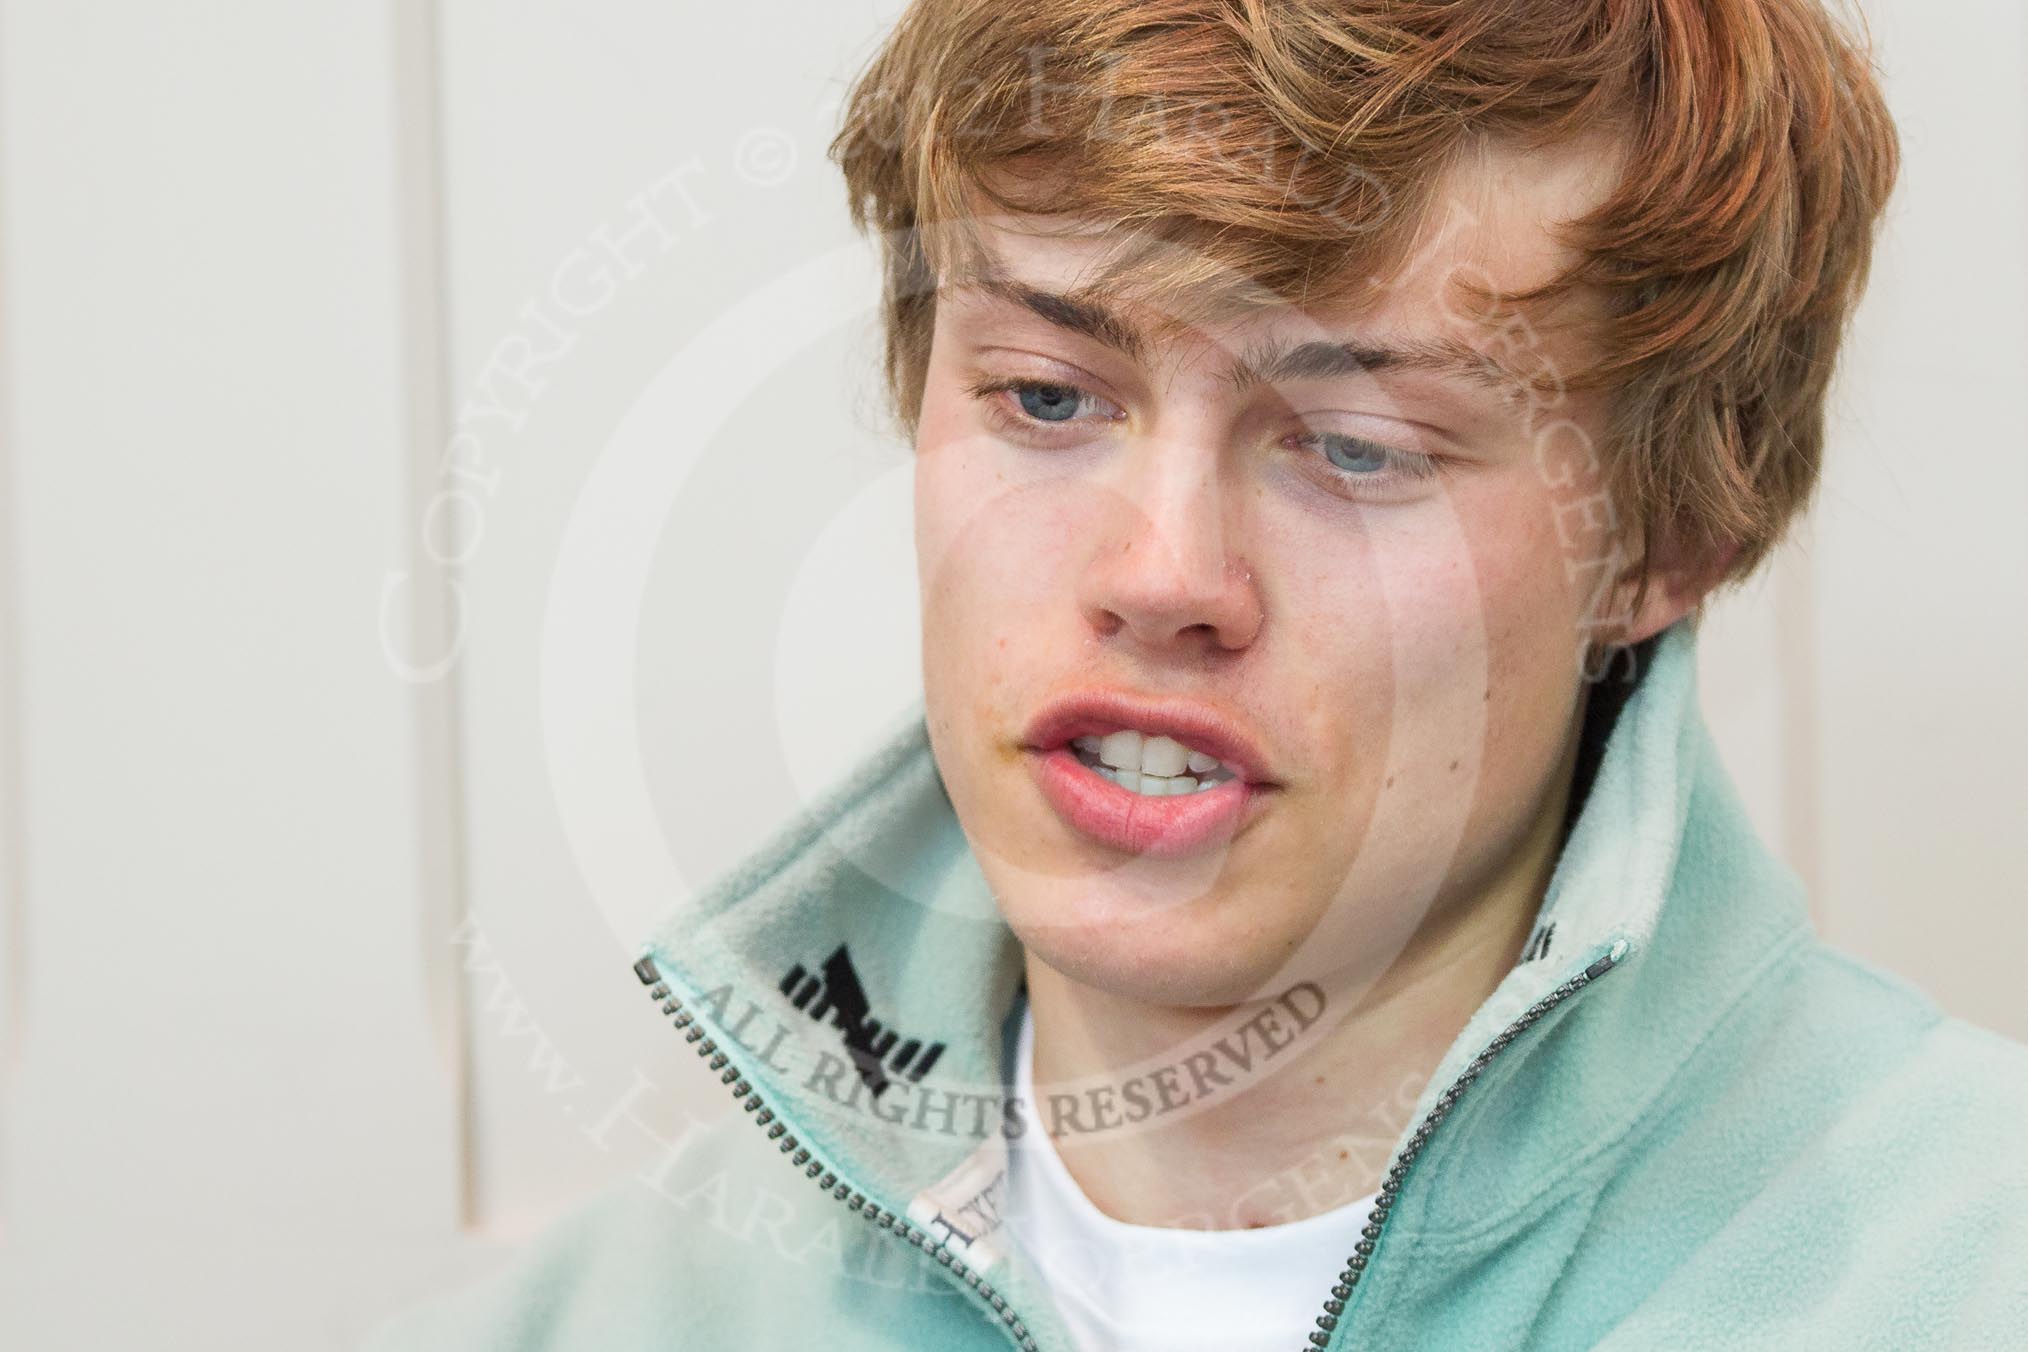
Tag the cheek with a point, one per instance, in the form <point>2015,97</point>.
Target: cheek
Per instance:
<point>956,577</point>
<point>991,562</point>
<point>944,465</point>
<point>956,491</point>
<point>1430,627</point>
<point>1401,601</point>
<point>1531,583</point>
<point>997,528</point>
<point>1528,604</point>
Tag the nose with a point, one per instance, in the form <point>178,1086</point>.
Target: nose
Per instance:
<point>1164,574</point>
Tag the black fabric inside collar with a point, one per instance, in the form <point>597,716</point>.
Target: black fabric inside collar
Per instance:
<point>1621,673</point>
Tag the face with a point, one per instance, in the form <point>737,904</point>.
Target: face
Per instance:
<point>1361,580</point>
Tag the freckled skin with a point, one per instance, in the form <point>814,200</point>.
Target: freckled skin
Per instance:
<point>1179,550</point>
<point>1355,671</point>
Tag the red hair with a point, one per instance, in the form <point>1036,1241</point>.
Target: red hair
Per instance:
<point>1295,143</point>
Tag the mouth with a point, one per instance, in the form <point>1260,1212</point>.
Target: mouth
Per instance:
<point>1159,780</point>
<point>1154,767</point>
<point>1171,740</point>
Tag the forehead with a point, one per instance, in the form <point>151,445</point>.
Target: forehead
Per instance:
<point>1493,225</point>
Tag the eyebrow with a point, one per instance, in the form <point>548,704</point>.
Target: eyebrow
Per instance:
<point>1087,318</point>
<point>1265,362</point>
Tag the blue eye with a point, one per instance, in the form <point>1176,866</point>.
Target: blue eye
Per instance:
<point>1356,463</point>
<point>1337,462</point>
<point>1354,456</point>
<point>1042,403</point>
<point>1048,403</point>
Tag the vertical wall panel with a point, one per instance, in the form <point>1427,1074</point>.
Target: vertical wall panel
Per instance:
<point>1920,563</point>
<point>13,867</point>
<point>422,613</point>
<point>620,178</point>
<point>1746,654</point>
<point>227,1112</point>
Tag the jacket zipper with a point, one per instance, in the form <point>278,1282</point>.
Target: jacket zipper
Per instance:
<point>855,1200</point>
<point>1390,1187</point>
<point>815,1169</point>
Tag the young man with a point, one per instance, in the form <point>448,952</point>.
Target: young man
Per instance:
<point>1307,910</point>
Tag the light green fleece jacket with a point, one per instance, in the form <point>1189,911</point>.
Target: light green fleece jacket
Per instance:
<point>1680,1122</point>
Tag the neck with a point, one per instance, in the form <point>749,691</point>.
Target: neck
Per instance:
<point>1318,1132</point>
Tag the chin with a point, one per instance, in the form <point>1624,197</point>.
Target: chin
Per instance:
<point>1152,954</point>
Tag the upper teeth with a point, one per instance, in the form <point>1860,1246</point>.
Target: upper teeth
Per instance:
<point>1163,757</point>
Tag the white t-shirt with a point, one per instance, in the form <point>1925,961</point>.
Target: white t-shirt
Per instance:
<point>1125,1288</point>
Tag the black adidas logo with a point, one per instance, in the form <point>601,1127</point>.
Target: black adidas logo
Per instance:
<point>838,993</point>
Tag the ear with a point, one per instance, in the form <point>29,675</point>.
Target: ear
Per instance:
<point>1682,575</point>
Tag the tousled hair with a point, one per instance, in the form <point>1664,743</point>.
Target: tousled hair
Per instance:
<point>1298,144</point>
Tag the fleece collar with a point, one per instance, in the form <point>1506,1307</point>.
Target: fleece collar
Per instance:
<point>855,970</point>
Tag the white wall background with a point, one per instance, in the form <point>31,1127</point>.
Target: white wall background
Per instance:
<point>306,1007</point>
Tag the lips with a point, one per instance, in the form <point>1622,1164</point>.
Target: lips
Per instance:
<point>1198,726</point>
<point>1164,827</point>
